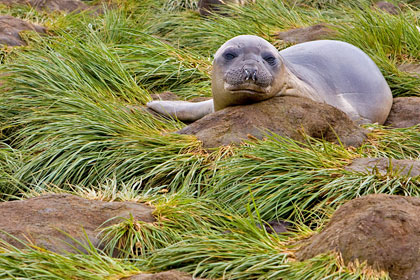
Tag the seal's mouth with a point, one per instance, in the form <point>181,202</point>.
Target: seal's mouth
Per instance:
<point>247,88</point>
<point>247,91</point>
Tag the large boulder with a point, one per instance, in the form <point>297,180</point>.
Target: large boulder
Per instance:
<point>50,5</point>
<point>383,230</point>
<point>405,112</point>
<point>286,116</point>
<point>305,34</point>
<point>48,221</point>
<point>10,27</point>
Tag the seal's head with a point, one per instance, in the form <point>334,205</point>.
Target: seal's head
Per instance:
<point>246,69</point>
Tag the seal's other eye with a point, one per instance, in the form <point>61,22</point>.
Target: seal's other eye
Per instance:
<point>270,59</point>
<point>229,55</point>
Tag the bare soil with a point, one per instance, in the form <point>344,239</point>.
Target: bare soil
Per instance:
<point>305,34</point>
<point>49,220</point>
<point>383,230</point>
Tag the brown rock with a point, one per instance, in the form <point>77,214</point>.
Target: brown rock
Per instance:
<point>306,34</point>
<point>167,275</point>
<point>287,116</point>
<point>411,68</point>
<point>405,112</point>
<point>42,220</point>
<point>199,99</point>
<point>10,27</point>
<point>387,7</point>
<point>383,230</point>
<point>51,5</point>
<point>167,95</point>
<point>404,167</point>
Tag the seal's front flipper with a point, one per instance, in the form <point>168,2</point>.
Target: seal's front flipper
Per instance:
<point>182,110</point>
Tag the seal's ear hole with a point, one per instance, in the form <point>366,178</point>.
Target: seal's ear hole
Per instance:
<point>229,55</point>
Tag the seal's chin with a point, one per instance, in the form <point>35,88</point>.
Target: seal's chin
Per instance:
<point>247,88</point>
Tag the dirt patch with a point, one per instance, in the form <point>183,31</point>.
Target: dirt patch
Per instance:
<point>405,112</point>
<point>207,7</point>
<point>287,116</point>
<point>167,95</point>
<point>51,5</point>
<point>167,275</point>
<point>411,68</point>
<point>387,7</point>
<point>404,167</point>
<point>42,220</point>
<point>383,230</point>
<point>10,27</point>
<point>306,34</point>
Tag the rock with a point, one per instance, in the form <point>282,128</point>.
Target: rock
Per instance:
<point>405,112</point>
<point>275,226</point>
<point>287,116</point>
<point>167,275</point>
<point>10,27</point>
<point>404,167</point>
<point>167,95</point>
<point>199,99</point>
<point>306,34</point>
<point>51,5</point>
<point>411,68</point>
<point>387,7</point>
<point>383,230</point>
<point>206,7</point>
<point>42,220</point>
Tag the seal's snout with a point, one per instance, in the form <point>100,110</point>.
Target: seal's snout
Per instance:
<point>250,73</point>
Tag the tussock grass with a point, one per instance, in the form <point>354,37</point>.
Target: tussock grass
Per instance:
<point>401,143</point>
<point>287,179</point>
<point>176,217</point>
<point>72,111</point>
<point>205,36</point>
<point>246,251</point>
<point>72,120</point>
<point>389,40</point>
<point>173,5</point>
<point>10,161</point>
<point>37,263</point>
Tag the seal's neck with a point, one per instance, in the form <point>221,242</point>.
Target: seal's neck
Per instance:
<point>293,86</point>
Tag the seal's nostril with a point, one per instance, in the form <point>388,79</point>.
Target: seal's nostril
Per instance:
<point>247,75</point>
<point>254,76</point>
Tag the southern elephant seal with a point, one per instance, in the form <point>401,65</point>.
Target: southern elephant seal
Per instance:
<point>248,69</point>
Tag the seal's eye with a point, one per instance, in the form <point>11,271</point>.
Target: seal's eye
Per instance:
<point>270,59</point>
<point>229,55</point>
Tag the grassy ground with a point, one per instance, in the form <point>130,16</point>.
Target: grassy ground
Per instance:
<point>67,124</point>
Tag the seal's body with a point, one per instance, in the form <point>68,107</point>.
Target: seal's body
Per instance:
<point>248,69</point>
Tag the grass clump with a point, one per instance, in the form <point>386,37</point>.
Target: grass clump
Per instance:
<point>287,179</point>
<point>32,263</point>
<point>176,217</point>
<point>71,108</point>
